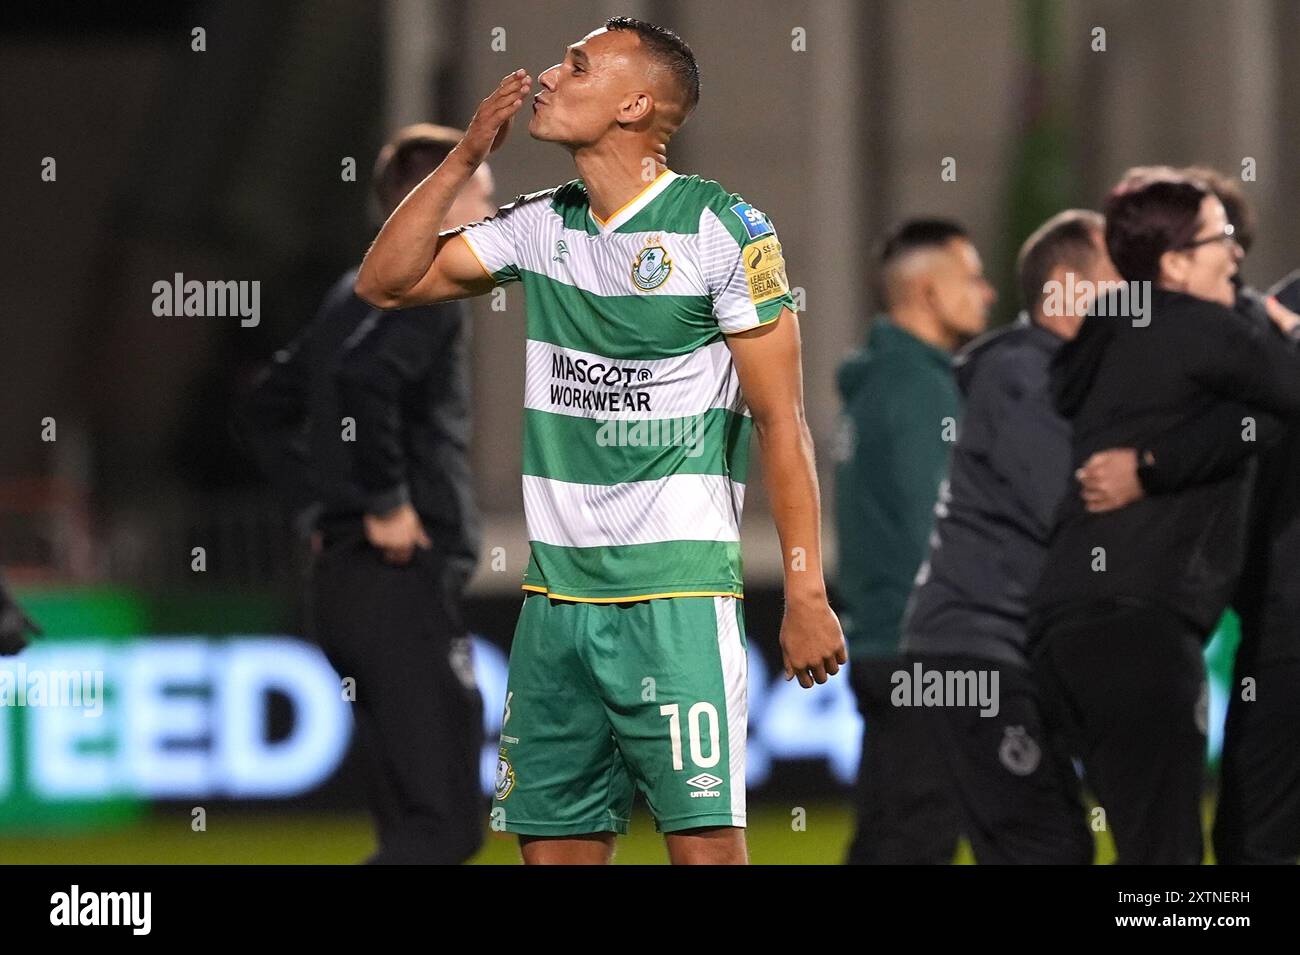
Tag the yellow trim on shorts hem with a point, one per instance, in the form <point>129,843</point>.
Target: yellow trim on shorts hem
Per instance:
<point>628,599</point>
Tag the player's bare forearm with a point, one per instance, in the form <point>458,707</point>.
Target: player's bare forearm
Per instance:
<point>768,364</point>
<point>786,452</point>
<point>410,263</point>
<point>404,250</point>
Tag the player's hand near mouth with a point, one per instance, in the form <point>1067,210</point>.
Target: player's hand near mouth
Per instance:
<point>410,263</point>
<point>491,123</point>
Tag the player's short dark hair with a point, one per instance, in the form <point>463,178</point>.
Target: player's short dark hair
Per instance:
<point>907,237</point>
<point>1147,216</point>
<point>1228,188</point>
<point>411,154</point>
<point>916,234</point>
<point>671,51</point>
<point>1067,239</point>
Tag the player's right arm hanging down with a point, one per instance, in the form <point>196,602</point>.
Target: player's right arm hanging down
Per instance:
<point>410,262</point>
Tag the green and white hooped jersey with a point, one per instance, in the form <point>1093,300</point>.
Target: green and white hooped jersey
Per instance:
<point>636,436</point>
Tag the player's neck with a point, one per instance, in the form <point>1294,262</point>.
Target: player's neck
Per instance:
<point>615,176</point>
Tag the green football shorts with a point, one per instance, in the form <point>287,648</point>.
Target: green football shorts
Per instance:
<point>604,698</point>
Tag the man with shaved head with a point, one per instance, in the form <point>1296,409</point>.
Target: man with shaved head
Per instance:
<point>661,335</point>
<point>901,406</point>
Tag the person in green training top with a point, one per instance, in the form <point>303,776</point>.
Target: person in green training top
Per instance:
<point>901,406</point>
<point>661,333</point>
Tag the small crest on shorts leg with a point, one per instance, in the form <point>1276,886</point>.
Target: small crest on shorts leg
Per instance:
<point>505,775</point>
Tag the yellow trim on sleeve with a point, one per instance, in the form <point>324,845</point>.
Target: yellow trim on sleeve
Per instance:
<point>629,599</point>
<point>461,235</point>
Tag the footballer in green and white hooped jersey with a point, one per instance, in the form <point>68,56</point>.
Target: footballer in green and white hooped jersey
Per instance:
<point>651,299</point>
<point>636,443</point>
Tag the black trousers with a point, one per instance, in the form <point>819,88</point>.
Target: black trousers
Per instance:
<point>1126,688</point>
<point>907,813</point>
<point>1258,816</point>
<point>397,631</point>
<point>1015,781</point>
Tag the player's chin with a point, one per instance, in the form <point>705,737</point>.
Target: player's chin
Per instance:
<point>537,128</point>
<point>546,133</point>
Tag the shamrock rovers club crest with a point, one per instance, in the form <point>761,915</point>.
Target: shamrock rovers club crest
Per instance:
<point>652,266</point>
<point>505,775</point>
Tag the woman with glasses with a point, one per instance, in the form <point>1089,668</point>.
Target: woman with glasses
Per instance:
<point>1128,597</point>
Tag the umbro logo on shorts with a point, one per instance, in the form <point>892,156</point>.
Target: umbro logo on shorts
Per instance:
<point>704,783</point>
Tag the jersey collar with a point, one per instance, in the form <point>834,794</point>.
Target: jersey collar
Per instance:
<point>635,205</point>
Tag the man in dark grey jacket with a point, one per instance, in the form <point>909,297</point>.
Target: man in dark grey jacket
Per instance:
<point>366,416</point>
<point>1010,468</point>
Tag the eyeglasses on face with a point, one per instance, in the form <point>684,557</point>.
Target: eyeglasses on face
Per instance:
<point>1228,235</point>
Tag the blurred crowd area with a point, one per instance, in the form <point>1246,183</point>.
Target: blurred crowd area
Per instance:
<point>230,161</point>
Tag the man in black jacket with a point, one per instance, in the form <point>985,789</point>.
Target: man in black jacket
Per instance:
<point>1010,467</point>
<point>1258,814</point>
<point>364,420</point>
<point>1128,597</point>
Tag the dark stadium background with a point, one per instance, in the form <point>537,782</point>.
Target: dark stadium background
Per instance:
<point>835,117</point>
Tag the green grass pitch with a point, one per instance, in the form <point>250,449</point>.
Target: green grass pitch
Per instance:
<point>303,839</point>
